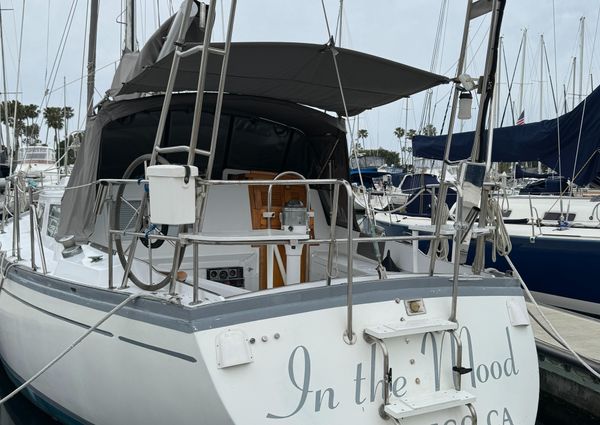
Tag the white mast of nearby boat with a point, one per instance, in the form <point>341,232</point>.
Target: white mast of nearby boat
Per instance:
<point>5,94</point>
<point>581,41</point>
<point>574,82</point>
<point>541,86</point>
<point>524,57</point>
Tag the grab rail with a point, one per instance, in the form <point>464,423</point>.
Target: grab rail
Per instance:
<point>350,240</point>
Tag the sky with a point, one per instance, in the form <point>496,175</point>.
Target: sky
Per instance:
<point>400,30</point>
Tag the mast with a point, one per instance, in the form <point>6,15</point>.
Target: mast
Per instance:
<point>66,145</point>
<point>405,154</point>
<point>498,81</point>
<point>539,165</point>
<point>474,10</point>
<point>574,70</point>
<point>91,66</point>
<point>581,40</point>
<point>129,45</point>
<point>4,84</point>
<point>541,76</point>
<point>520,109</point>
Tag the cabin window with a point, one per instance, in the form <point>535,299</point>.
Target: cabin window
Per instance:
<point>53,220</point>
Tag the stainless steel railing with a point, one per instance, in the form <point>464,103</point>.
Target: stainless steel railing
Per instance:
<point>349,240</point>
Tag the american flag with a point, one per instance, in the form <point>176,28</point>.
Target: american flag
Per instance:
<point>521,119</point>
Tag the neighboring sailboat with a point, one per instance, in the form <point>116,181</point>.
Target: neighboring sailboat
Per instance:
<point>239,296</point>
<point>555,239</point>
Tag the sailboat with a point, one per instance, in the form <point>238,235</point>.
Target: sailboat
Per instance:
<point>220,282</point>
<point>554,238</point>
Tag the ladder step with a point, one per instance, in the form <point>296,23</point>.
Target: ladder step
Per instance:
<point>409,327</point>
<point>428,403</point>
<point>180,149</point>
<point>200,48</point>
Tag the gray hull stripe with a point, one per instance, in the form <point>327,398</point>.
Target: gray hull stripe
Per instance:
<point>56,316</point>
<point>265,306</point>
<point>159,349</point>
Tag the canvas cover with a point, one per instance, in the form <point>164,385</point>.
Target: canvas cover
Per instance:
<point>296,72</point>
<point>254,134</point>
<point>579,132</point>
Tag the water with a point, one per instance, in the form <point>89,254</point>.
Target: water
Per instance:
<point>20,411</point>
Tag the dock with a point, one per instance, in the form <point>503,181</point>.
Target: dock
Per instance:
<point>561,375</point>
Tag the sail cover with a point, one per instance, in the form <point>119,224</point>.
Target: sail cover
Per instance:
<point>296,72</point>
<point>579,152</point>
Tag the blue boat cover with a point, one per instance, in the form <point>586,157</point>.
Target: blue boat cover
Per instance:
<point>579,132</point>
<point>521,173</point>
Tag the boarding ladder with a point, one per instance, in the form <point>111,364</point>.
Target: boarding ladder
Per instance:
<point>438,400</point>
<point>408,406</point>
<point>207,16</point>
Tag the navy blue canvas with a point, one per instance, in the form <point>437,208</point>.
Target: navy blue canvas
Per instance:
<point>536,142</point>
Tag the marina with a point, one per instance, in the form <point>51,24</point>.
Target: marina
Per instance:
<point>211,237</point>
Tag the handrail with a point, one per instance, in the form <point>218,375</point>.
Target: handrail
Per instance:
<point>349,240</point>
<point>349,336</point>
<point>270,192</point>
<point>31,232</point>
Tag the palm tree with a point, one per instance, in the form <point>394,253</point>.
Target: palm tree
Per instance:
<point>361,135</point>
<point>67,113</point>
<point>31,133</point>
<point>399,132</point>
<point>54,119</point>
<point>429,130</point>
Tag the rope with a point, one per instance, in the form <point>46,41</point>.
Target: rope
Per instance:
<point>500,237</point>
<point>443,246</point>
<point>70,347</point>
<point>556,335</point>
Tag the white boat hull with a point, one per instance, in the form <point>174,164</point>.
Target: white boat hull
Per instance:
<point>156,363</point>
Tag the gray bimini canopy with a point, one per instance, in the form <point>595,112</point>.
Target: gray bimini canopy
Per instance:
<point>295,72</point>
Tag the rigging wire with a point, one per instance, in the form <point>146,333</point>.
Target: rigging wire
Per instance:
<point>18,75</point>
<point>512,79</point>
<point>47,43</point>
<point>368,210</point>
<point>426,110</point>
<point>59,55</point>
<point>578,142</point>
<point>555,106</point>
<point>594,43</point>
<point>338,24</point>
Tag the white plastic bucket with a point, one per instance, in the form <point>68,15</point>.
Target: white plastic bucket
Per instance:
<point>172,190</point>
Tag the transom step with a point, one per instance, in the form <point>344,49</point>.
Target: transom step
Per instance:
<point>410,327</point>
<point>428,403</point>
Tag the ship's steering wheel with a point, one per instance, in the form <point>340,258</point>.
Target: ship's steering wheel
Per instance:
<point>137,170</point>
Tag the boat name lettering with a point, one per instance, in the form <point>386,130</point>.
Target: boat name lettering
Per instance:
<point>482,372</point>
<point>368,383</point>
<point>327,395</point>
<point>492,418</point>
